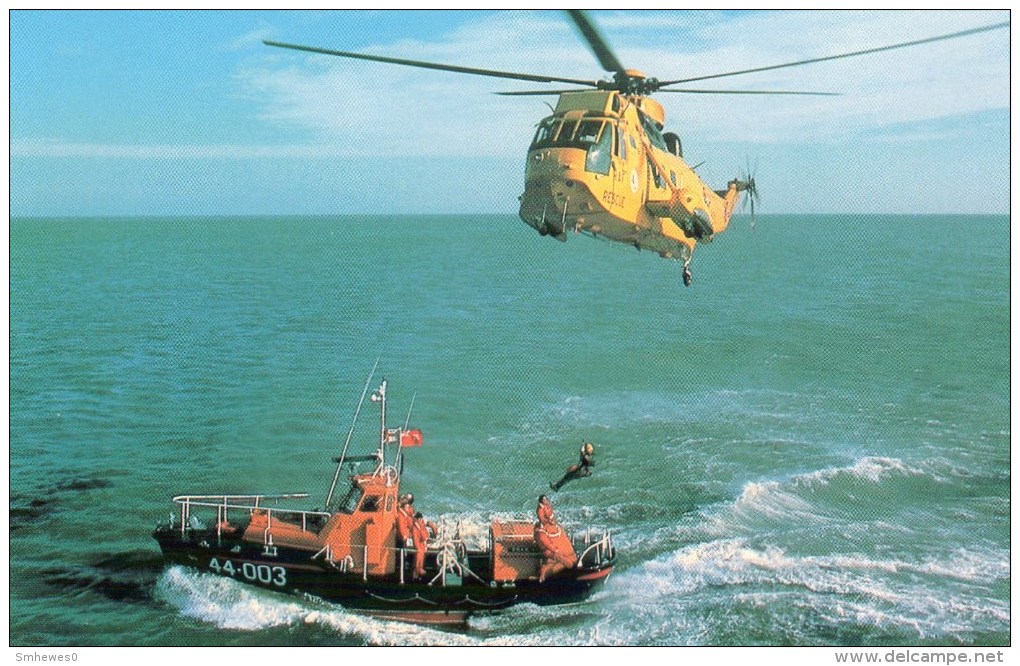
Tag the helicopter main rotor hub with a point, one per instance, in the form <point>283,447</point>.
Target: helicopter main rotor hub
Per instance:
<point>630,82</point>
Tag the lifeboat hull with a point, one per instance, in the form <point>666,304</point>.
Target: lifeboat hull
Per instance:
<point>437,598</point>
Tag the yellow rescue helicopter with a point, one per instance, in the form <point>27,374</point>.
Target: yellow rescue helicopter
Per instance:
<point>601,164</point>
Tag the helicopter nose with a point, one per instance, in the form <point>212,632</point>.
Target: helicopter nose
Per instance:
<point>560,191</point>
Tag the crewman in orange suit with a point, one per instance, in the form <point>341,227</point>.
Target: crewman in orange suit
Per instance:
<point>420,532</point>
<point>546,532</point>
<point>405,517</point>
<point>544,510</point>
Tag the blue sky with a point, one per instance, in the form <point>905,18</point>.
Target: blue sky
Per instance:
<point>187,112</point>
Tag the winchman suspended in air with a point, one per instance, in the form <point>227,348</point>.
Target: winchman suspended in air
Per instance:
<point>582,468</point>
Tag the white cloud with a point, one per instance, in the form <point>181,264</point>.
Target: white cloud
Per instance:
<point>375,109</point>
<point>252,38</point>
<point>63,149</point>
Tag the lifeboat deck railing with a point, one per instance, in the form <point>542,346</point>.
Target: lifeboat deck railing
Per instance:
<point>225,503</point>
<point>599,547</point>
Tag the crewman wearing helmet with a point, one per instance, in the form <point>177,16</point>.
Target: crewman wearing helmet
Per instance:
<point>582,468</point>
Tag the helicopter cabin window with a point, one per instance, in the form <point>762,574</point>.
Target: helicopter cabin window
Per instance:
<point>565,135</point>
<point>652,130</point>
<point>673,144</point>
<point>621,144</point>
<point>660,182</point>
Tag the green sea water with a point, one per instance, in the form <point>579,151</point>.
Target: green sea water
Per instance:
<point>809,446</point>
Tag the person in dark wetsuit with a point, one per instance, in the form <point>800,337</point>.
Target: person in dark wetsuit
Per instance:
<point>582,468</point>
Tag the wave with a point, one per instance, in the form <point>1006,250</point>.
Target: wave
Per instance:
<point>869,469</point>
<point>876,490</point>
<point>855,545</point>
<point>838,589</point>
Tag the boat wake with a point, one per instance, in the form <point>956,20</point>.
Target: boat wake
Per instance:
<point>715,584</point>
<point>814,559</point>
<point>227,604</point>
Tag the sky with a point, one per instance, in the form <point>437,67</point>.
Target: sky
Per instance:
<point>188,113</point>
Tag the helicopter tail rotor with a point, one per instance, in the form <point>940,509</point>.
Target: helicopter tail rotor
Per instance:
<point>749,186</point>
<point>753,197</point>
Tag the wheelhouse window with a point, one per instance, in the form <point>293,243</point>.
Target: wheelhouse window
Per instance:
<point>350,501</point>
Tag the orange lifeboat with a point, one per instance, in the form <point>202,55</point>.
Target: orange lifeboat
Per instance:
<point>351,553</point>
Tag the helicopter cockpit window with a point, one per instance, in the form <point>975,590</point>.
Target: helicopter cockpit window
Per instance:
<point>600,151</point>
<point>565,137</point>
<point>595,136</point>
<point>546,132</point>
<point>588,132</point>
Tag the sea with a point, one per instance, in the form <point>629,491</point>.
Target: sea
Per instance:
<point>809,446</point>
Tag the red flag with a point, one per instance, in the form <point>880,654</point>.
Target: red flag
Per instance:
<point>411,438</point>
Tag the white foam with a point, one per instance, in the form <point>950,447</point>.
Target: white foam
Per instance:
<point>879,592</point>
<point>789,500</point>
<point>224,602</point>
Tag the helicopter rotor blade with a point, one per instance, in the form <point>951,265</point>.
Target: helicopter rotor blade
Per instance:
<point>434,65</point>
<point>598,45</point>
<point>511,93</point>
<point>747,92</point>
<point>878,49</point>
